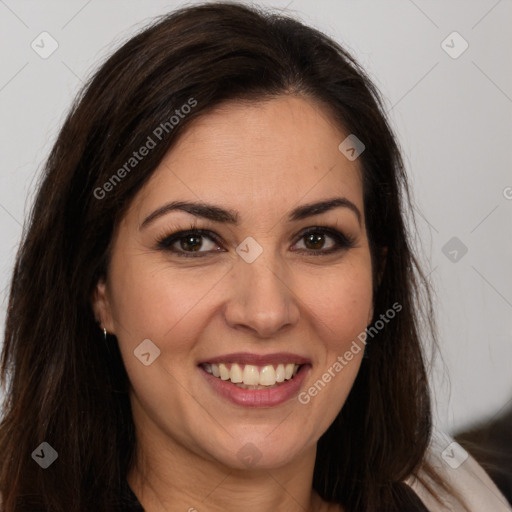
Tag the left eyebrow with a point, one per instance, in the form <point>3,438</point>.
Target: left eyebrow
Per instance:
<point>308,210</point>
<point>218,214</point>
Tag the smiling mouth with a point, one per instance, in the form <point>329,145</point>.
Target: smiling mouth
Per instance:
<point>248,376</point>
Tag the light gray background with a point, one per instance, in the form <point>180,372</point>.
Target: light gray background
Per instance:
<point>453,118</point>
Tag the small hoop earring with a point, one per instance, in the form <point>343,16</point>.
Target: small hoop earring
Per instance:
<point>105,333</point>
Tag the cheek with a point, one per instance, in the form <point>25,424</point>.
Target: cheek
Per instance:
<point>341,312</point>
<point>151,300</point>
<point>342,304</point>
<point>156,302</point>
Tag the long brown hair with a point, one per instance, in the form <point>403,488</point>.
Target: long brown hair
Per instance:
<point>65,388</point>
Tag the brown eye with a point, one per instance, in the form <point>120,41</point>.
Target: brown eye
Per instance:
<point>315,239</point>
<point>186,243</point>
<point>190,242</point>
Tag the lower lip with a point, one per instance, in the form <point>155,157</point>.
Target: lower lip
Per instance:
<point>257,397</point>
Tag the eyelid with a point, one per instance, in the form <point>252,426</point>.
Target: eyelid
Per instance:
<point>167,241</point>
<point>342,240</point>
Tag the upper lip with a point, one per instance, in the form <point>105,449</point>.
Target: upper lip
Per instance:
<point>258,360</point>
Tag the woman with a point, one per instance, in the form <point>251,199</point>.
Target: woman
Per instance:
<point>215,304</point>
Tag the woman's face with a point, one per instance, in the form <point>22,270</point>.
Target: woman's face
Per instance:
<point>264,291</point>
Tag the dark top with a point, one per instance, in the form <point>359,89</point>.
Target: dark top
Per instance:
<point>410,500</point>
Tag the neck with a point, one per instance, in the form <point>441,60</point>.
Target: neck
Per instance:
<point>228,492</point>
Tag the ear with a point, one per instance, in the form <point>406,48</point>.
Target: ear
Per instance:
<point>101,307</point>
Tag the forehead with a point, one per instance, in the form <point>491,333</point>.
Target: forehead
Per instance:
<point>256,157</point>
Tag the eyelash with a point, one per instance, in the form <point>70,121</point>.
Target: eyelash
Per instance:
<point>342,241</point>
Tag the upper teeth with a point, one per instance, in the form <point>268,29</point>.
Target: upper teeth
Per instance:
<point>253,375</point>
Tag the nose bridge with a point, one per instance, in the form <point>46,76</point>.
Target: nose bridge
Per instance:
<point>261,297</point>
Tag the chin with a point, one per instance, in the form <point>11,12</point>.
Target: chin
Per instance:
<point>259,451</point>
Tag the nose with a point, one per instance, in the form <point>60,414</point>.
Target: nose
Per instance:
<point>261,299</point>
